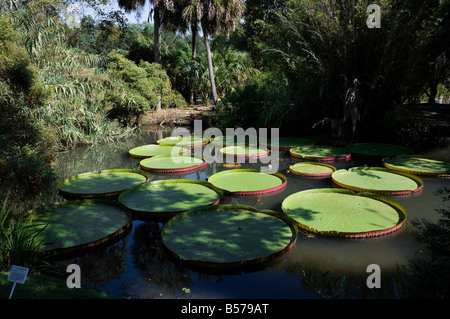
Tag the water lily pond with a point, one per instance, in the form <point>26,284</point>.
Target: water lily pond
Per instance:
<point>138,266</point>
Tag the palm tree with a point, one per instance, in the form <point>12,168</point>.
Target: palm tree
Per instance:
<point>160,7</point>
<point>213,15</point>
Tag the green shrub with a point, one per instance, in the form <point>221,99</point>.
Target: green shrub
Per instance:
<point>23,150</point>
<point>137,88</point>
<point>262,102</point>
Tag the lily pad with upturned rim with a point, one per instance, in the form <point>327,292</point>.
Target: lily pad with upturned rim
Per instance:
<point>169,197</point>
<point>378,149</point>
<point>157,150</point>
<point>378,180</point>
<point>344,213</point>
<point>320,153</point>
<point>247,182</point>
<point>418,164</point>
<point>76,225</point>
<point>172,164</point>
<point>312,169</point>
<point>244,151</point>
<point>191,141</point>
<point>101,184</point>
<point>228,236</point>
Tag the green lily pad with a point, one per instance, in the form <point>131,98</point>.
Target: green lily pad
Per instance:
<point>191,141</point>
<point>247,181</point>
<point>377,180</point>
<point>378,149</point>
<point>319,152</point>
<point>312,169</point>
<point>228,236</point>
<point>169,197</point>
<point>244,151</point>
<point>419,165</point>
<point>172,164</point>
<point>75,225</point>
<point>101,184</point>
<point>290,142</point>
<point>341,212</point>
<point>157,150</point>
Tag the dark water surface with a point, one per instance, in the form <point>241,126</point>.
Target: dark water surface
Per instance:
<point>138,267</point>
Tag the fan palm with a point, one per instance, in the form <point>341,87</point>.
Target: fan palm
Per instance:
<point>213,15</point>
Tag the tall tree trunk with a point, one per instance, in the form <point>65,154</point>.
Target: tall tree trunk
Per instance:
<point>210,66</point>
<point>157,47</point>
<point>194,29</point>
<point>157,23</point>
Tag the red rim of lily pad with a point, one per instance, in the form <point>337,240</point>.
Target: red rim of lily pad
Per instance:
<point>145,151</point>
<point>296,169</point>
<point>211,249</point>
<point>368,171</point>
<point>279,185</point>
<point>312,217</point>
<point>234,151</point>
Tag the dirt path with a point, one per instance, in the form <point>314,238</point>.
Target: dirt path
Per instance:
<point>177,117</point>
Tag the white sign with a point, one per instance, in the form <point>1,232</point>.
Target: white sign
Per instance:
<point>17,274</point>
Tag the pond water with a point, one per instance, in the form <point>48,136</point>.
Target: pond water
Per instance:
<point>137,266</point>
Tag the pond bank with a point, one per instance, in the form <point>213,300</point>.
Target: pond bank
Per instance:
<point>176,116</point>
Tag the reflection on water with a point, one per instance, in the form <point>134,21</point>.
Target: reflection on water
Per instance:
<point>138,267</point>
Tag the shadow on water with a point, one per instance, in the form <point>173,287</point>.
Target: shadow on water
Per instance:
<point>137,266</point>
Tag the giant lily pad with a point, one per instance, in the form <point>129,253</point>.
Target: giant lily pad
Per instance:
<point>378,149</point>
<point>290,142</point>
<point>189,141</point>
<point>80,224</point>
<point>169,197</point>
<point>312,169</point>
<point>157,150</point>
<point>172,164</point>
<point>418,165</point>
<point>377,180</point>
<point>247,181</point>
<point>228,236</point>
<point>244,151</point>
<point>101,184</point>
<point>320,153</point>
<point>341,212</point>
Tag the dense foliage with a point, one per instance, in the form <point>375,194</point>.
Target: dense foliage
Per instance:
<point>23,148</point>
<point>346,77</point>
<point>304,66</point>
<point>137,89</point>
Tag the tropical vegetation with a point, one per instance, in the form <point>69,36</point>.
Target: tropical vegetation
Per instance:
<point>301,65</point>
